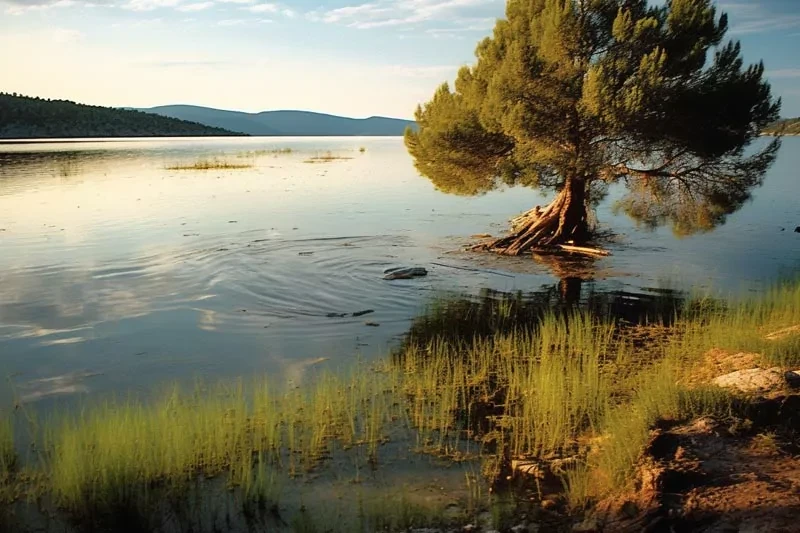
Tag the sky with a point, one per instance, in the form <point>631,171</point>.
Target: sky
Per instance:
<point>356,58</point>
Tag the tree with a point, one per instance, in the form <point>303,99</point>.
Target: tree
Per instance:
<point>573,95</point>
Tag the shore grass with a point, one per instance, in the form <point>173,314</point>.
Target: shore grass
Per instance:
<point>531,383</point>
<point>210,164</point>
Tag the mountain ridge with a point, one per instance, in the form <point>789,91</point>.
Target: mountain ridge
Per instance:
<point>284,122</point>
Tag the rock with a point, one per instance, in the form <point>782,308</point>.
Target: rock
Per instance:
<point>752,380</point>
<point>364,312</point>
<point>549,505</point>
<point>336,315</point>
<point>793,378</point>
<point>589,525</point>
<point>481,236</point>
<point>797,229</point>
<point>373,324</point>
<point>404,273</point>
<point>630,509</point>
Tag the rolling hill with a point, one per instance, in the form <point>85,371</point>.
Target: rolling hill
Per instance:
<point>285,123</point>
<point>24,117</point>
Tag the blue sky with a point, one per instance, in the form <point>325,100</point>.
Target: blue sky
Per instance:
<point>347,57</point>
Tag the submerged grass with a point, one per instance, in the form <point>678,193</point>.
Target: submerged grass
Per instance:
<point>210,164</point>
<point>530,383</point>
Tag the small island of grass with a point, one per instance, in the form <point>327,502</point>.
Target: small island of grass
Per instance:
<point>210,164</point>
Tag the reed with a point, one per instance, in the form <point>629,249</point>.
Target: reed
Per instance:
<point>326,157</point>
<point>210,164</point>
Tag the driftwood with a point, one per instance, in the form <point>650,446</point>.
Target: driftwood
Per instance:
<point>584,250</point>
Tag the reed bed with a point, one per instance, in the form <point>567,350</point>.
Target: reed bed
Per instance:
<point>326,157</point>
<point>210,164</point>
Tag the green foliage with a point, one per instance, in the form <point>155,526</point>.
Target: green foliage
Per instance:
<point>24,117</point>
<point>602,91</point>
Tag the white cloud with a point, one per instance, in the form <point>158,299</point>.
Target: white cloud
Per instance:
<point>232,22</point>
<point>238,1</point>
<point>399,13</point>
<point>197,6</point>
<point>20,8</point>
<point>288,13</point>
<point>149,5</point>
<point>262,8</point>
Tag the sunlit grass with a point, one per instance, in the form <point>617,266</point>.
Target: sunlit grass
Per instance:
<point>210,164</point>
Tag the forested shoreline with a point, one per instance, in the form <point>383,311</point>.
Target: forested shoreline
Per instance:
<point>25,117</point>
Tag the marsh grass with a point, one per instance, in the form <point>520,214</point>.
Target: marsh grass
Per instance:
<point>210,164</point>
<point>275,152</point>
<point>326,157</point>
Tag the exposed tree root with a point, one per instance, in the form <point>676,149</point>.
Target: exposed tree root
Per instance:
<point>562,226</point>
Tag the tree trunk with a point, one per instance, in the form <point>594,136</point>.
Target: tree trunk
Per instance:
<point>564,221</point>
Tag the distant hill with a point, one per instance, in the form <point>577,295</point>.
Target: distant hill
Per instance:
<point>24,117</point>
<point>285,123</point>
<point>787,126</point>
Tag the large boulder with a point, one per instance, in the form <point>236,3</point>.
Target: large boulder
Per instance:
<point>753,380</point>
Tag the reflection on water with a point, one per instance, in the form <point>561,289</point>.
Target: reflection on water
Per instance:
<point>112,265</point>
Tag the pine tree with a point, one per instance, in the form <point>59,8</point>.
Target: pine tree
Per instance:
<point>573,95</point>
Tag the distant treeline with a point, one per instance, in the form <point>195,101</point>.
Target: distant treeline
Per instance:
<point>24,117</point>
<point>787,126</point>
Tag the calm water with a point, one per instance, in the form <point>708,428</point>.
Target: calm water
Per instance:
<point>117,274</point>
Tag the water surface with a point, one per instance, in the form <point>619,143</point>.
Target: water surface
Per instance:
<point>117,274</point>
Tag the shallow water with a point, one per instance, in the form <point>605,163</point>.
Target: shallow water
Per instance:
<point>117,274</point>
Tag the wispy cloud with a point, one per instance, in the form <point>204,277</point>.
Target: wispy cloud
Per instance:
<point>262,8</point>
<point>761,17</point>
<point>149,5</point>
<point>18,8</point>
<point>197,6</point>
<point>384,13</point>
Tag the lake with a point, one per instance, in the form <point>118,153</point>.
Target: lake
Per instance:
<point>118,274</point>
